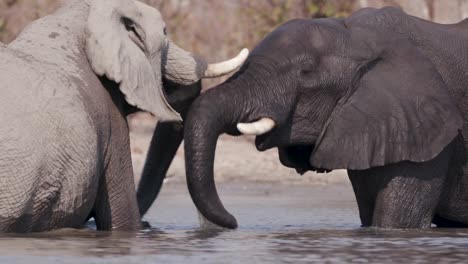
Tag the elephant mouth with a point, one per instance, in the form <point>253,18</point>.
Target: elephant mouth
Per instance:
<point>295,154</point>
<point>292,156</point>
<point>277,137</point>
<point>297,157</point>
<point>264,142</point>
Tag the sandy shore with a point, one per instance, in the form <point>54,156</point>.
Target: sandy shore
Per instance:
<point>237,160</point>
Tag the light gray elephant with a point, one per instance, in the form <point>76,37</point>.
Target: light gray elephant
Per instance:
<point>67,84</point>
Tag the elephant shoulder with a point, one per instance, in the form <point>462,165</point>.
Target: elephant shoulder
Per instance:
<point>34,89</point>
<point>33,80</point>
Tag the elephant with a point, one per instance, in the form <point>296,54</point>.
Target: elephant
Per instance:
<point>67,84</point>
<point>379,93</point>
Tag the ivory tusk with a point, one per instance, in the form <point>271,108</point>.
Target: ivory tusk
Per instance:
<point>257,128</point>
<point>226,67</point>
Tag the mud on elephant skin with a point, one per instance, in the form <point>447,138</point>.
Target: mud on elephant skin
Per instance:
<point>67,84</point>
<point>378,93</point>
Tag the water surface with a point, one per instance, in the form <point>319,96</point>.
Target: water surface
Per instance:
<point>277,224</point>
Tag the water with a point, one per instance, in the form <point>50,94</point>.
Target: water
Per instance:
<point>278,224</point>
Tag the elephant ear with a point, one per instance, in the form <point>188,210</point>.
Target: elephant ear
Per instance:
<point>116,48</point>
<point>401,110</point>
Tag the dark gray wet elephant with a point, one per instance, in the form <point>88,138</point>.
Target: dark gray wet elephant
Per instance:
<point>381,93</point>
<point>67,84</point>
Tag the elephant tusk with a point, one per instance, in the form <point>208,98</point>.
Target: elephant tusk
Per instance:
<point>226,67</point>
<point>257,128</point>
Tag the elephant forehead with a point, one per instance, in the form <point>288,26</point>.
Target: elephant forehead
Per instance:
<point>153,24</point>
<point>150,15</point>
<point>288,40</point>
<point>304,35</point>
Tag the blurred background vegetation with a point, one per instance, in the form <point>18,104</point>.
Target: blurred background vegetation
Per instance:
<point>217,29</point>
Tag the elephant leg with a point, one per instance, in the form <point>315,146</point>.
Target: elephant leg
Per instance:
<point>453,207</point>
<point>410,192</point>
<point>365,189</point>
<point>166,140</point>
<point>116,206</point>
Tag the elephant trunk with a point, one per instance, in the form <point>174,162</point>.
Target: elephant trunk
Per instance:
<point>167,138</point>
<point>212,114</point>
<point>182,67</point>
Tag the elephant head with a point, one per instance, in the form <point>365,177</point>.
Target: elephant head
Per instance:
<point>126,42</point>
<point>330,94</point>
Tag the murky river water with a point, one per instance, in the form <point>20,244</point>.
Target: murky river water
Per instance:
<point>278,224</point>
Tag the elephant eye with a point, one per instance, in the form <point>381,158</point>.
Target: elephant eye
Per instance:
<point>130,26</point>
<point>165,31</point>
<point>308,69</point>
<point>128,23</point>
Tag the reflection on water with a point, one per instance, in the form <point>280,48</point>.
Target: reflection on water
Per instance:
<point>277,225</point>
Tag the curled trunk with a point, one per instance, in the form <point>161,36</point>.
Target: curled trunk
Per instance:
<point>210,115</point>
<point>233,108</point>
